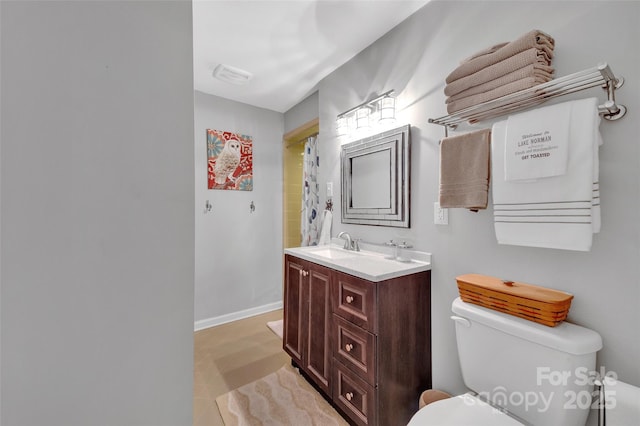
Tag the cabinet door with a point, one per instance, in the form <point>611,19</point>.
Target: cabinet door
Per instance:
<point>296,300</point>
<point>318,348</point>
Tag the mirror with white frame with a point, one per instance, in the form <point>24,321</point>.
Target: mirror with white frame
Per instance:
<point>375,179</point>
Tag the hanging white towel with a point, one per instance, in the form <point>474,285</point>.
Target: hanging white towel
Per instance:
<point>554,212</point>
<point>537,143</point>
<point>325,233</point>
<point>595,204</point>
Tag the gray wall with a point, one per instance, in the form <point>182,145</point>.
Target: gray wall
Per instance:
<point>97,213</point>
<point>1,218</point>
<point>238,267</point>
<point>414,59</point>
<point>305,111</point>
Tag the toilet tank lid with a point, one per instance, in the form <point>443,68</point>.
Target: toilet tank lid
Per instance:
<point>565,337</point>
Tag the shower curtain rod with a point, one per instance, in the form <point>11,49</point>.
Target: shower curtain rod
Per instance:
<point>289,145</point>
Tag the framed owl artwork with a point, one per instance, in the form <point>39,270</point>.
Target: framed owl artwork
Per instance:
<point>230,160</point>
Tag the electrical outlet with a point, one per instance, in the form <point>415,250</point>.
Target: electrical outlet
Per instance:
<point>440,215</point>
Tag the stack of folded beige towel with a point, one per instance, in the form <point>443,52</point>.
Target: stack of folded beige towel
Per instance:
<point>500,70</point>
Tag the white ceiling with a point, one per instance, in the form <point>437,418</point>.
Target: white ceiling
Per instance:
<point>288,46</point>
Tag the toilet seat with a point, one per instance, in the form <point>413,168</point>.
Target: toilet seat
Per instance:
<point>464,409</point>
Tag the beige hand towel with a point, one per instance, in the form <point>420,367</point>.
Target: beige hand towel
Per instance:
<point>507,89</point>
<point>497,70</point>
<point>533,39</point>
<point>464,170</point>
<point>460,88</point>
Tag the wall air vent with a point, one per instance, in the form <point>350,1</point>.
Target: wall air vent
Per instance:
<point>231,74</point>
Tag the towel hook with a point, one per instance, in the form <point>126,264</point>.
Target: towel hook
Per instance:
<point>329,205</point>
<point>252,207</point>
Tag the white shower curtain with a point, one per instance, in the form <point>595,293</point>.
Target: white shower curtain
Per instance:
<point>309,218</point>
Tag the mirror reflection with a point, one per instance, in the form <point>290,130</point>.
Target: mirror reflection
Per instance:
<point>371,170</point>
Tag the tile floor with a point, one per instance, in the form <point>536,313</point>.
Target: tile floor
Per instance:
<point>231,355</point>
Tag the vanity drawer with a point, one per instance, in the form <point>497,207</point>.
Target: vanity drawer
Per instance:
<point>355,348</point>
<point>353,395</point>
<point>354,299</point>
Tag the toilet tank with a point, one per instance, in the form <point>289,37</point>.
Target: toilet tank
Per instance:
<point>543,375</point>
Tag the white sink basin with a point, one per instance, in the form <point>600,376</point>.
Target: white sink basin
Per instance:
<point>370,265</point>
<point>332,252</point>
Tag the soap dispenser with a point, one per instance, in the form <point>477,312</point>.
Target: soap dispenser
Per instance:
<point>394,250</point>
<point>400,252</point>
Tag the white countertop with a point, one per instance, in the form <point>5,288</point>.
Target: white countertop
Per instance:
<point>367,264</point>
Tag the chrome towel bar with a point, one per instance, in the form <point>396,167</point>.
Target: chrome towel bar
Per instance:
<point>600,75</point>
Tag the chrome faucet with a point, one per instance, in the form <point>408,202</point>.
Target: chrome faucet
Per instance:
<point>349,244</point>
<point>347,239</point>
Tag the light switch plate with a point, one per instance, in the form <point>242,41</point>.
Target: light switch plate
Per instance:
<point>329,189</point>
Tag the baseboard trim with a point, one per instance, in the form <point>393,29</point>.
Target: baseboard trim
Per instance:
<point>234,316</point>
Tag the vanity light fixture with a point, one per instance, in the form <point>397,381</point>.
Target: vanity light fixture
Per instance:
<point>380,110</point>
<point>362,117</point>
<point>387,109</point>
<point>342,126</point>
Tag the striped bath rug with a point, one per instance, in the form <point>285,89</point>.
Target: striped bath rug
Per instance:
<point>281,398</point>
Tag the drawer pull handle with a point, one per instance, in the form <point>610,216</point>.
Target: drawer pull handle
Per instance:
<point>348,347</point>
<point>349,396</point>
<point>349,299</point>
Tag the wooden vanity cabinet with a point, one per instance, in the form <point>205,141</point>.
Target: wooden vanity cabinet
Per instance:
<point>307,318</point>
<point>366,345</point>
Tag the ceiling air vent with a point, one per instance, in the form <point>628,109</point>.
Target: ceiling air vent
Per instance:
<point>231,74</point>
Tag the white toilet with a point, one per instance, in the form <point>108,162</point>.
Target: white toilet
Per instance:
<point>520,372</point>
